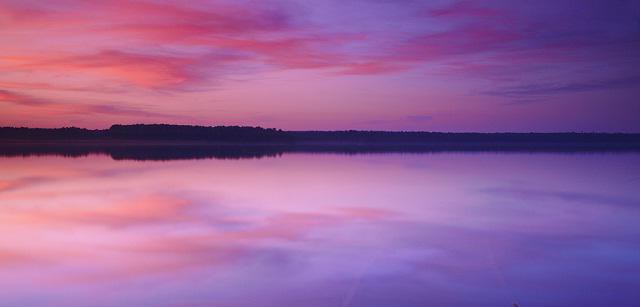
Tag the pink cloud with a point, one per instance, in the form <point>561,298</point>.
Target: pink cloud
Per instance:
<point>372,67</point>
<point>55,108</point>
<point>208,39</point>
<point>146,70</point>
<point>17,98</point>
<point>163,21</point>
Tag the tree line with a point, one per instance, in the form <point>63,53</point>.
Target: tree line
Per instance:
<point>245,134</point>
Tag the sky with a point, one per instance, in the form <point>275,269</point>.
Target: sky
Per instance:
<point>548,65</point>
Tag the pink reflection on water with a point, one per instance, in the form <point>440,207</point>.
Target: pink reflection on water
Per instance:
<point>321,230</point>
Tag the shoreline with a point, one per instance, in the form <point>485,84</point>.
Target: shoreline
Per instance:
<point>180,150</point>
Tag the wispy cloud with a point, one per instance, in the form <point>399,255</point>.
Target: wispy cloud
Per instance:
<point>76,108</point>
<point>537,89</point>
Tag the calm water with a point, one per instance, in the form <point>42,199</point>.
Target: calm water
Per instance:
<point>482,229</point>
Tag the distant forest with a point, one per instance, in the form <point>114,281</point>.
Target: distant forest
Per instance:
<point>257,135</point>
<point>170,142</point>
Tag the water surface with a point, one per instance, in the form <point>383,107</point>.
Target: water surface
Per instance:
<point>445,229</point>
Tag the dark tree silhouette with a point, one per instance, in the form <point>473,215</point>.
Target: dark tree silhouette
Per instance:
<point>259,135</point>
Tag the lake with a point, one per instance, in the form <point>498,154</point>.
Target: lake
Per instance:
<point>304,229</point>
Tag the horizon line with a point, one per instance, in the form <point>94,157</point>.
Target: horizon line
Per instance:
<point>316,130</point>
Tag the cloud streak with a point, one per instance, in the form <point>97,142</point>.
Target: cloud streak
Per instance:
<point>192,52</point>
<point>551,88</point>
<point>75,108</point>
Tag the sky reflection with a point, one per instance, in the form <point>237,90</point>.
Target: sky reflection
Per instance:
<point>321,230</point>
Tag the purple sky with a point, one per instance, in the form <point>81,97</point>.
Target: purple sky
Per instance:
<point>350,64</point>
